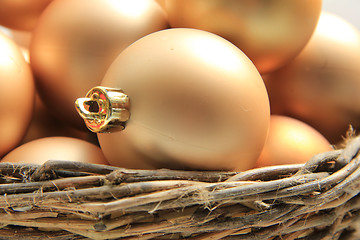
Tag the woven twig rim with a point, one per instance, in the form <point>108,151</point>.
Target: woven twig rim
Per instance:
<point>72,200</point>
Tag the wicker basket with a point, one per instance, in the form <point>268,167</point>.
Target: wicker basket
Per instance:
<point>70,200</point>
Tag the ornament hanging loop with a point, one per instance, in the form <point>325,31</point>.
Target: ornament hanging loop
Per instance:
<point>104,109</point>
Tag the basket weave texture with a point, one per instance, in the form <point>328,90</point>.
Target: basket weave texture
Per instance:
<point>71,200</point>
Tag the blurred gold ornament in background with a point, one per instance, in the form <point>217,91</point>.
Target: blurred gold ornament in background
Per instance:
<point>321,85</point>
<point>269,32</point>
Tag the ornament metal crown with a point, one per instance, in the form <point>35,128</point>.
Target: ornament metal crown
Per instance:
<point>104,109</point>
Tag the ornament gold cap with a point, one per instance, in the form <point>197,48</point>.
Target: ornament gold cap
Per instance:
<point>104,109</point>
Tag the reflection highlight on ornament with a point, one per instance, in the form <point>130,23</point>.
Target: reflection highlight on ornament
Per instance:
<point>222,57</point>
<point>326,28</point>
<point>134,8</point>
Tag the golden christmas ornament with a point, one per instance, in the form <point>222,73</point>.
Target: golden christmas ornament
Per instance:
<point>17,94</point>
<point>291,141</point>
<point>321,85</point>
<point>21,14</point>
<point>75,42</point>
<point>269,32</point>
<point>56,148</point>
<point>196,101</point>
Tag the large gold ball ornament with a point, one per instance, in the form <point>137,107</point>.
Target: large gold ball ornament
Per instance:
<point>75,41</point>
<point>21,14</point>
<point>321,86</point>
<point>269,32</point>
<point>195,101</point>
<point>17,93</point>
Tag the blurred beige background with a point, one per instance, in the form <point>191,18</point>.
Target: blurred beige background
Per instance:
<point>347,9</point>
